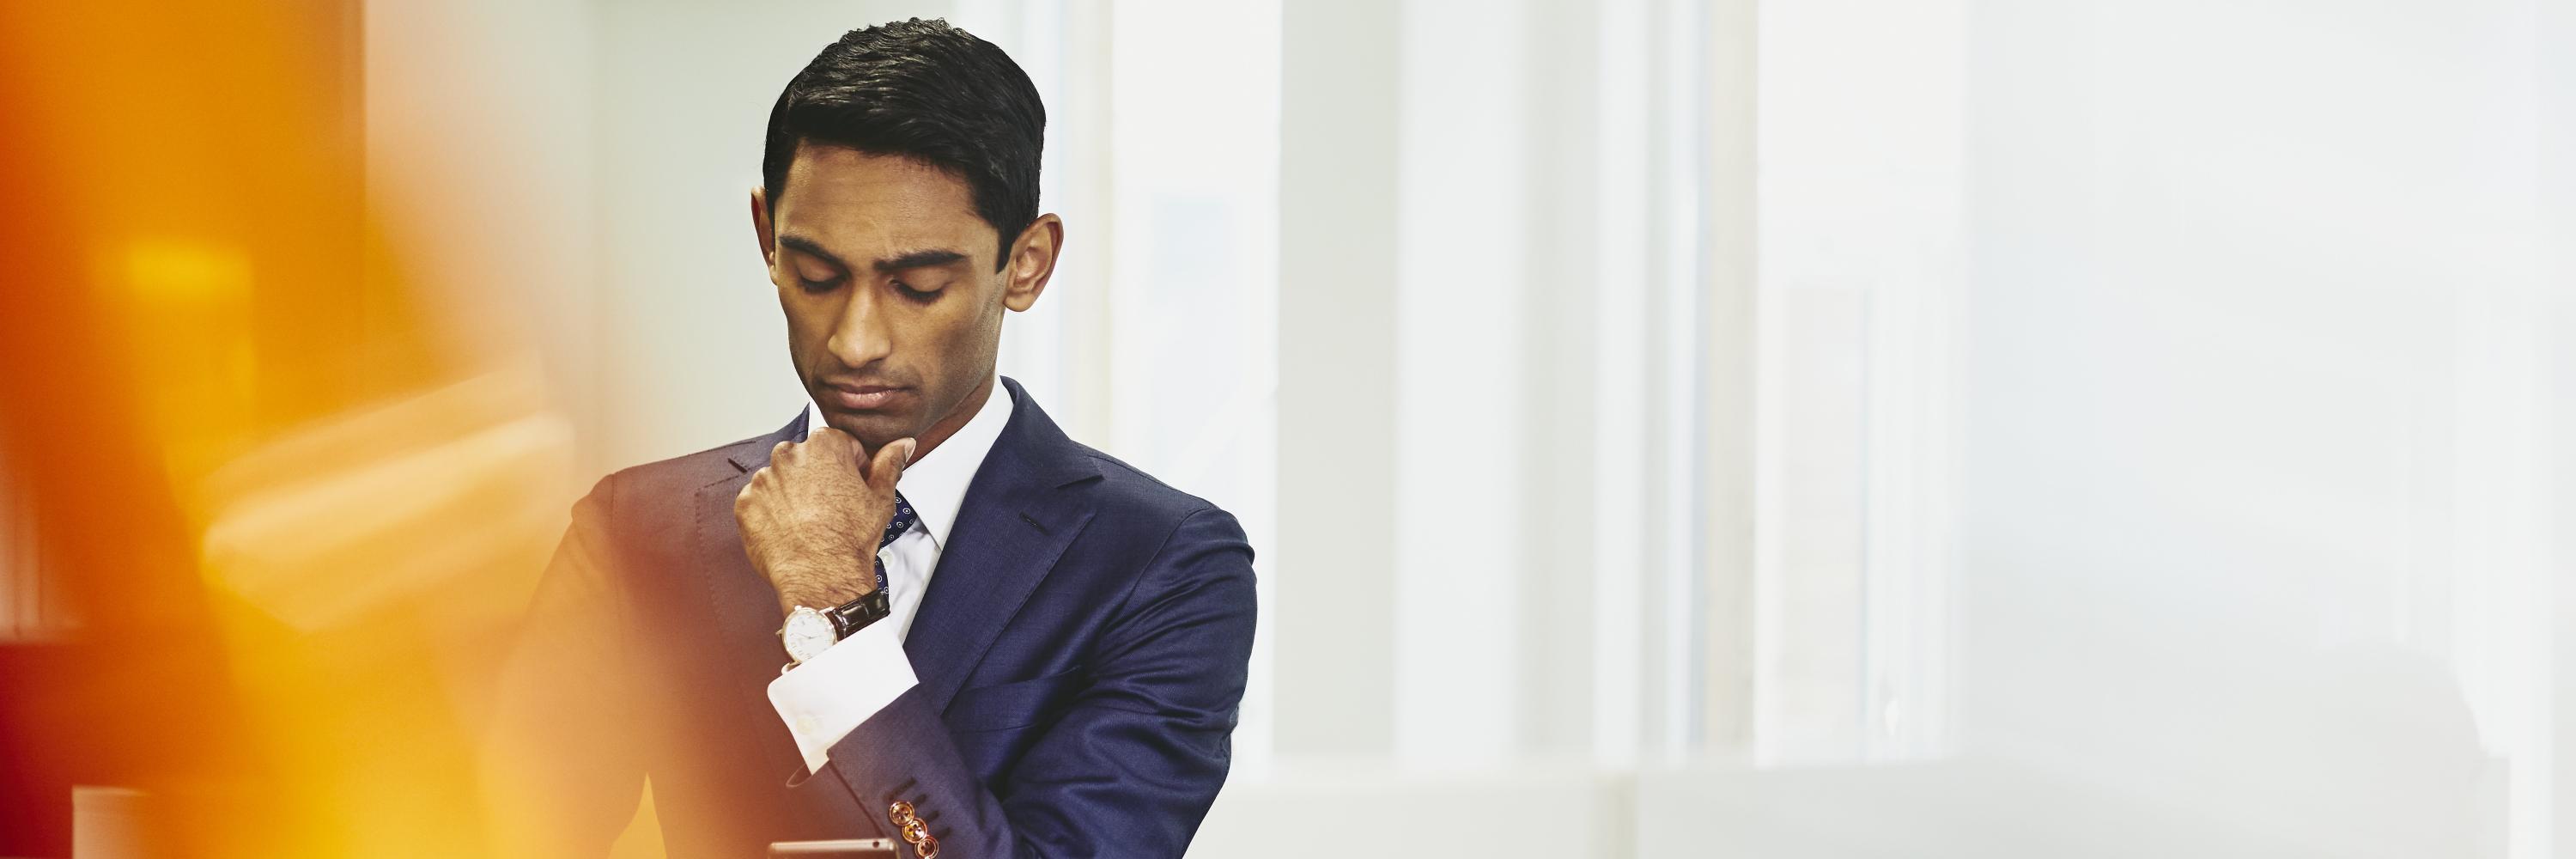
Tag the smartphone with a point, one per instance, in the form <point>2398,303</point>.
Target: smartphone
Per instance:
<point>838,848</point>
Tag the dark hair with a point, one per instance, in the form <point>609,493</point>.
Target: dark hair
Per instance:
<point>923,90</point>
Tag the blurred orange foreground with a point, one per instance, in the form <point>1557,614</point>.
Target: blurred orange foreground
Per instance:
<point>282,532</point>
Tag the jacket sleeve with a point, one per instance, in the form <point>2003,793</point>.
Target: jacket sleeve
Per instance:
<point>1132,764</point>
<point>559,772</point>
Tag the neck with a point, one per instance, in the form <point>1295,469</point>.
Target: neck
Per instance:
<point>930,439</point>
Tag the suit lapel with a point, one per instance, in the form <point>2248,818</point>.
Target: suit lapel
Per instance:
<point>745,608</point>
<point>1018,517</point>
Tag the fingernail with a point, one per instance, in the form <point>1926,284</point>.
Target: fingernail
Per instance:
<point>909,446</point>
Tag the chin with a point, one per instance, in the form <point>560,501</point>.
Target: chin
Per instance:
<point>870,428</point>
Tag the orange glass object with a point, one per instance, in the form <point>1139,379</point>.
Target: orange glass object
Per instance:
<point>289,533</point>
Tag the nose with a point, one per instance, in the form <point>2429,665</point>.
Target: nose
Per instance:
<point>860,335</point>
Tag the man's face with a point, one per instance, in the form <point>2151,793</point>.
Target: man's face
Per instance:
<point>887,275</point>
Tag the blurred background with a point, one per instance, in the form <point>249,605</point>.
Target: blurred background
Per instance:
<point>1769,429</point>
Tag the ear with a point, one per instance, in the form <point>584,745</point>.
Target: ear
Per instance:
<point>1032,262</point>
<point>760,226</point>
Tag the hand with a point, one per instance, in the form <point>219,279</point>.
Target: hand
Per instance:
<point>811,519</point>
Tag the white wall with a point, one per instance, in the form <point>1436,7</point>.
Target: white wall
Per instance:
<point>693,347</point>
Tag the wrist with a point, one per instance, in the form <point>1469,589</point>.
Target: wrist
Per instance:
<point>810,630</point>
<point>820,592</point>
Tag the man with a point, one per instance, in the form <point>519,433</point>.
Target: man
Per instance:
<point>917,611</point>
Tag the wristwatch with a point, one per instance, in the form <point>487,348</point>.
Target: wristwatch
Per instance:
<point>855,615</point>
<point>809,631</point>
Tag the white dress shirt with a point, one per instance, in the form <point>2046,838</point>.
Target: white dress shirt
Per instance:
<point>825,698</point>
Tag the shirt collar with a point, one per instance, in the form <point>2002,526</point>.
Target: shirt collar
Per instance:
<point>935,485</point>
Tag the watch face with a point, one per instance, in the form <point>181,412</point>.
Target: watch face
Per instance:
<point>807,633</point>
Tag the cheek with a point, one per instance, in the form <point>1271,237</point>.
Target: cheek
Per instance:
<point>981,322</point>
<point>939,330</point>
<point>952,339</point>
<point>809,320</point>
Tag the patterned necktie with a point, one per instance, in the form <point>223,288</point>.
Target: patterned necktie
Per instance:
<point>903,519</point>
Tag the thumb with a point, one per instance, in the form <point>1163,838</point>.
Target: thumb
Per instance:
<point>888,464</point>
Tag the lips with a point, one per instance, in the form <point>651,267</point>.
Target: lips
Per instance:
<point>865,397</point>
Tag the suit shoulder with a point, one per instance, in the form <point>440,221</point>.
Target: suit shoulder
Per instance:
<point>680,475</point>
<point>1132,490</point>
<point>1166,540</point>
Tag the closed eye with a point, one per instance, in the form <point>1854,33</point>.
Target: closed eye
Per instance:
<point>916,295</point>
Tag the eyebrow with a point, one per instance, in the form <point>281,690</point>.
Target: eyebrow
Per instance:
<point>918,259</point>
<point>909,260</point>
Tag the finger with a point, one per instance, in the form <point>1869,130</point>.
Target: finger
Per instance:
<point>828,442</point>
<point>887,466</point>
<point>867,460</point>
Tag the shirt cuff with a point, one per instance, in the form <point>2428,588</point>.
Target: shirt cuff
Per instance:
<point>825,698</point>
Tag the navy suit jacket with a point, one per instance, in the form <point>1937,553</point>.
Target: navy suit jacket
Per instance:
<point>1081,654</point>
